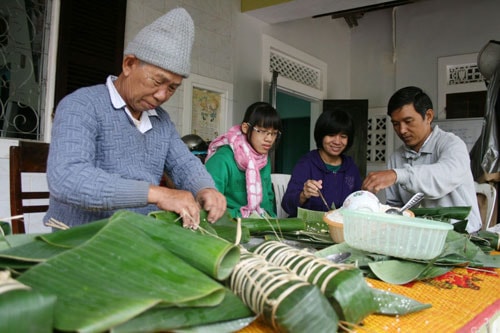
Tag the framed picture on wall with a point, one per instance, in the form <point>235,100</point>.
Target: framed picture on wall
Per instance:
<point>207,106</point>
<point>461,87</point>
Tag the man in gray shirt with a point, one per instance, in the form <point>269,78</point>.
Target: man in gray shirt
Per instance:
<point>431,160</point>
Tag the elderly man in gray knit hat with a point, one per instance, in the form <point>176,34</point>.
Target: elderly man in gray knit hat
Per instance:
<point>111,143</point>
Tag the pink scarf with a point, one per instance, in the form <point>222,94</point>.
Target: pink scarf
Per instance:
<point>247,160</point>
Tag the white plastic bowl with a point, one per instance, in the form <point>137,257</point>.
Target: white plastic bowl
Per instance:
<point>362,201</point>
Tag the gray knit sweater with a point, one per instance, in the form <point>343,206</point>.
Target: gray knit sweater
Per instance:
<point>100,162</point>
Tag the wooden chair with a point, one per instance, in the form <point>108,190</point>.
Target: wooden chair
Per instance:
<point>28,157</point>
<point>280,183</point>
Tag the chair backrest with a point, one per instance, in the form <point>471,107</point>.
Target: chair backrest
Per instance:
<point>280,182</point>
<point>28,157</point>
<point>486,204</point>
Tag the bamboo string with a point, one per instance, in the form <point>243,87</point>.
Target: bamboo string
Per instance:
<point>7,283</point>
<point>184,214</point>
<point>52,222</point>
<point>10,218</point>
<point>302,263</point>
<point>238,231</point>
<point>254,280</point>
<point>280,236</point>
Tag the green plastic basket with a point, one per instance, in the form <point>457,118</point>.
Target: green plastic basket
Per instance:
<point>395,235</point>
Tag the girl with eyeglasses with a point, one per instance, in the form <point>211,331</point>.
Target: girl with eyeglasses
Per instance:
<point>240,165</point>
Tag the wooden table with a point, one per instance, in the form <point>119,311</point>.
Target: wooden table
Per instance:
<point>462,301</point>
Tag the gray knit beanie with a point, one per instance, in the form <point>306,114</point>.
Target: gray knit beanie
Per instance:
<point>166,42</point>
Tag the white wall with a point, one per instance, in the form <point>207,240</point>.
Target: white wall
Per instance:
<point>424,32</point>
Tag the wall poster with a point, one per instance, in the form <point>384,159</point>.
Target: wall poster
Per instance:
<point>207,107</point>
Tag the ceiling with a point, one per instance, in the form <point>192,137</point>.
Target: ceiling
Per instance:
<point>350,10</point>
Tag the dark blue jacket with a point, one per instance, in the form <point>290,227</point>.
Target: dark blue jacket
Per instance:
<point>336,185</point>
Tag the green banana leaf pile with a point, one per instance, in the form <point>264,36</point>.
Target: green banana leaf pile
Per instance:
<point>135,273</point>
<point>115,275</point>
<point>305,230</point>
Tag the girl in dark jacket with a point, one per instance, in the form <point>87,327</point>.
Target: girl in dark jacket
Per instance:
<point>325,170</point>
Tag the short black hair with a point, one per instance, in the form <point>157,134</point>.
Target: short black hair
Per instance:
<point>409,95</point>
<point>264,115</point>
<point>332,122</point>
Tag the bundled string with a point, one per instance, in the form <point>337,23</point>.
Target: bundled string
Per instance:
<point>285,300</point>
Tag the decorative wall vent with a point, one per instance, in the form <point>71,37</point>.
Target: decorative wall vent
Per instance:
<point>463,74</point>
<point>377,138</point>
<point>298,72</point>
<point>294,70</point>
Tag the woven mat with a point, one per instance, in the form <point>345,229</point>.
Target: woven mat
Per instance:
<point>457,298</point>
<point>462,301</point>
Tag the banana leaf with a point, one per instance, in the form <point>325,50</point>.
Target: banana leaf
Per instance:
<point>487,240</point>
<point>315,235</point>
<point>5,228</point>
<point>401,272</point>
<point>74,236</point>
<point>217,261</point>
<point>117,274</point>
<point>9,241</point>
<point>301,239</point>
<point>222,327</point>
<point>460,250</point>
<point>163,319</point>
<point>225,227</point>
<point>284,300</point>
<point>443,213</point>
<point>387,303</point>
<point>256,226</point>
<point>22,251</point>
<point>26,311</point>
<point>456,215</point>
<point>218,257</point>
<point>172,217</point>
<point>392,304</point>
<point>33,252</point>
<point>313,219</point>
<point>343,285</point>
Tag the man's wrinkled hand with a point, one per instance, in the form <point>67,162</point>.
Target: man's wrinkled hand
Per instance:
<point>213,202</point>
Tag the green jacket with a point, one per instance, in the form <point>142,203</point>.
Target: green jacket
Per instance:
<point>231,182</point>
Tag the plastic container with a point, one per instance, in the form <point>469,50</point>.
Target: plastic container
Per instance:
<point>395,235</point>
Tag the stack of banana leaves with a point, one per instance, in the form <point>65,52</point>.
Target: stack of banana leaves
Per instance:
<point>136,273</point>
<point>305,230</point>
<point>461,250</point>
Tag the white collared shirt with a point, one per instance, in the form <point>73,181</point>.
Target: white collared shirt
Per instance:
<point>143,124</point>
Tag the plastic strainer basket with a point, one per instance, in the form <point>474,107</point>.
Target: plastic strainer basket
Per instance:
<point>395,235</point>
